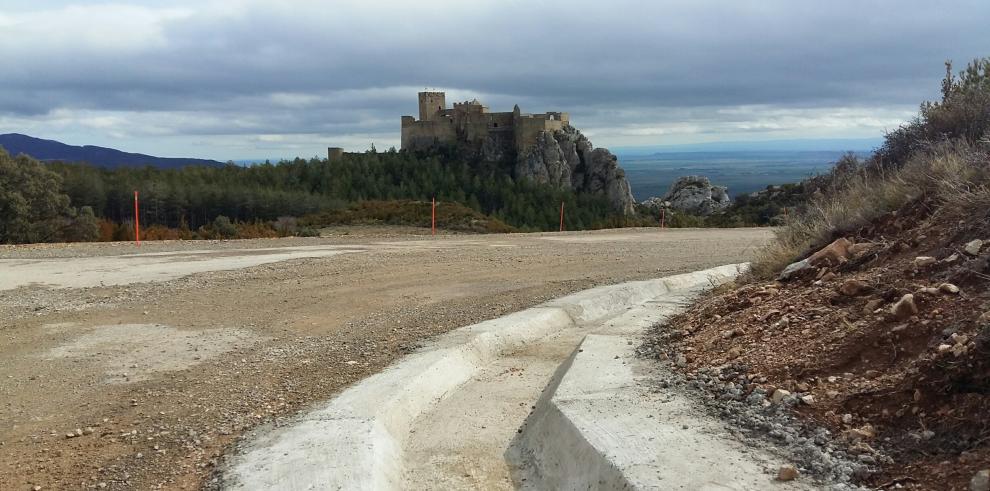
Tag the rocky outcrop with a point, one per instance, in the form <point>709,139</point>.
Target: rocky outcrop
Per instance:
<point>567,159</point>
<point>697,196</point>
<point>547,163</point>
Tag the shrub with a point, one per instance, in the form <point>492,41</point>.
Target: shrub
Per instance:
<point>450,216</point>
<point>963,114</point>
<point>286,226</point>
<point>81,226</point>
<point>941,155</point>
<point>955,174</point>
<point>222,228</point>
<point>257,230</point>
<point>124,231</point>
<point>159,232</point>
<point>107,230</point>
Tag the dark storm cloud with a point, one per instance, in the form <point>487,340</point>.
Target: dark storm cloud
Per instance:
<point>266,67</point>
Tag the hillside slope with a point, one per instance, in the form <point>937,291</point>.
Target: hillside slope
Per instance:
<point>869,316</point>
<point>49,150</point>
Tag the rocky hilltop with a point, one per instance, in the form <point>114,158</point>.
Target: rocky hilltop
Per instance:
<point>566,159</point>
<point>541,147</point>
<point>694,195</point>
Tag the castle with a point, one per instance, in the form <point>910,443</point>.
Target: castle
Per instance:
<point>542,148</point>
<point>470,122</point>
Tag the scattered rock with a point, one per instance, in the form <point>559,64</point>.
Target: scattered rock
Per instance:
<point>787,472</point>
<point>948,288</point>
<point>833,254</point>
<point>855,288</point>
<point>861,249</point>
<point>922,261</point>
<point>865,432</point>
<point>973,247</point>
<point>733,353</point>
<point>872,305</point>
<point>779,395</point>
<point>980,481</point>
<point>794,269</point>
<point>808,399</point>
<point>959,350</point>
<point>905,307</point>
<point>951,259</point>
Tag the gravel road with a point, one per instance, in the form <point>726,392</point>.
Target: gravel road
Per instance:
<point>160,371</point>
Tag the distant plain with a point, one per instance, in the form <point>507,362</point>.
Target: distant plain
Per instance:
<point>742,171</point>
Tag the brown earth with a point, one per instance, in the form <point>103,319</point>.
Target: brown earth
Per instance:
<point>915,387</point>
<point>161,377</point>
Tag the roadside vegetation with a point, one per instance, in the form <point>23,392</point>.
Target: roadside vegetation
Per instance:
<point>69,202</point>
<point>941,155</point>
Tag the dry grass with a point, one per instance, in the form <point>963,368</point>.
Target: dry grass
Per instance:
<point>956,175</point>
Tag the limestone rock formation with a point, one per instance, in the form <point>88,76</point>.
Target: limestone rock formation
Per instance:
<point>546,163</point>
<point>697,196</point>
<point>567,159</point>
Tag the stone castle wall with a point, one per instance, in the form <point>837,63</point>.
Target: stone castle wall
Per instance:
<point>471,123</point>
<point>430,103</point>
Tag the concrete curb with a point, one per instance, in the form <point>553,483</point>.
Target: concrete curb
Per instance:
<point>599,427</point>
<point>355,440</point>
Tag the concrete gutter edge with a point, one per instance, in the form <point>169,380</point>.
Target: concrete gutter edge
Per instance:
<point>598,427</point>
<point>354,440</point>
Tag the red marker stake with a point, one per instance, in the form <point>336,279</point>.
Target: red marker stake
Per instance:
<point>433,218</point>
<point>137,221</point>
<point>561,216</point>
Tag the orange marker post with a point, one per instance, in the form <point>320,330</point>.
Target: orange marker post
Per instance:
<point>561,216</point>
<point>137,221</point>
<point>433,218</point>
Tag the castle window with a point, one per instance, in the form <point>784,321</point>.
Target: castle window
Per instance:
<point>496,125</point>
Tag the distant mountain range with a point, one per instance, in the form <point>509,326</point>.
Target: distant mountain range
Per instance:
<point>50,150</point>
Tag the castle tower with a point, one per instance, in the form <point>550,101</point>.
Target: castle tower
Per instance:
<point>430,103</point>
<point>334,154</point>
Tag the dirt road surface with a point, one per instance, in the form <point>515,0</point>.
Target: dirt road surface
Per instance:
<point>126,368</point>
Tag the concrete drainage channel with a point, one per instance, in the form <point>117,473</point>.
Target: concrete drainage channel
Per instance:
<point>545,398</point>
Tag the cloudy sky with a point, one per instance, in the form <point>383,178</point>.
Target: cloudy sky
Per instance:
<point>238,79</point>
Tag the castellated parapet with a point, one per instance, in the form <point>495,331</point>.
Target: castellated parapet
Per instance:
<point>470,122</point>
